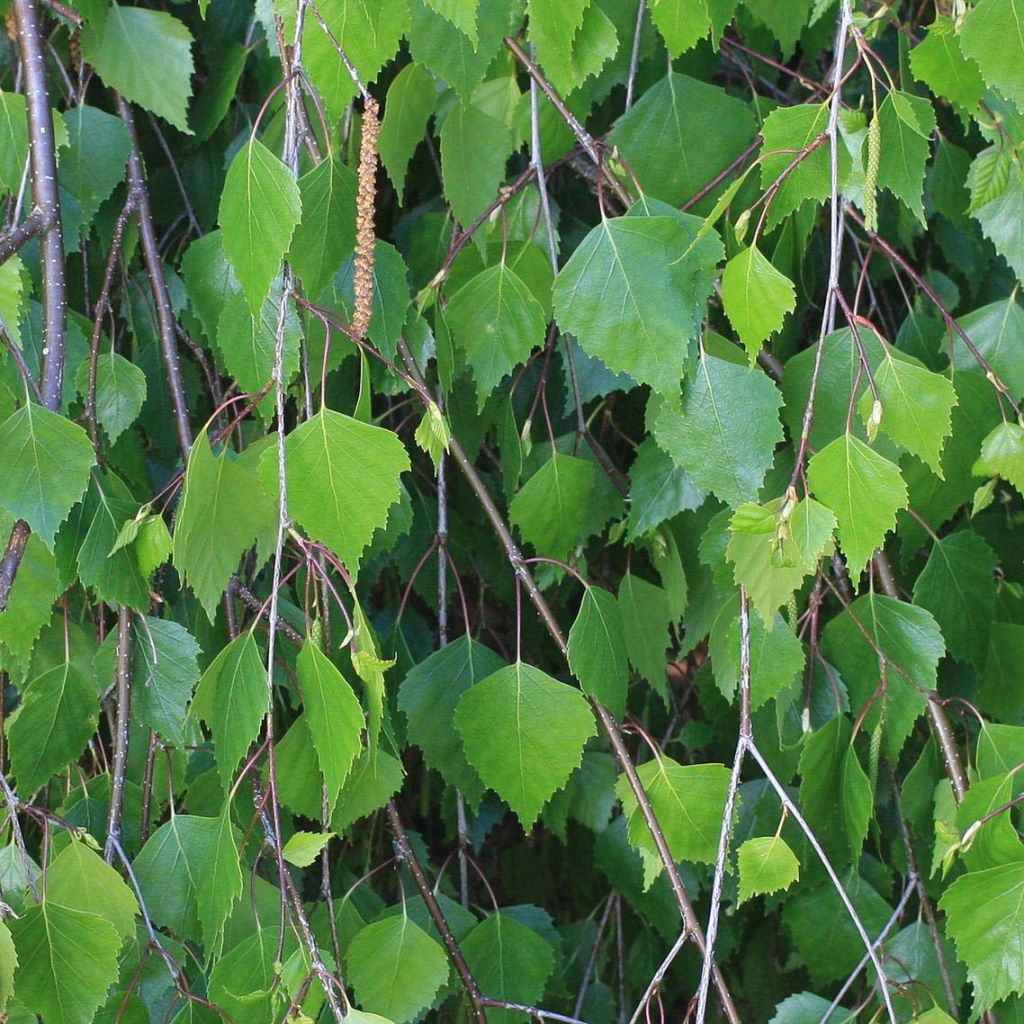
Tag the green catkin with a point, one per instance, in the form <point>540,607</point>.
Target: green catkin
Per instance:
<point>874,755</point>
<point>871,174</point>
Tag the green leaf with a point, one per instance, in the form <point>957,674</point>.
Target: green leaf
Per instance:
<point>390,296</point>
<point>304,847</point>
<point>12,298</point>
<point>940,63</point>
<point>756,298</point>
<point>766,865</point>
<point>209,280</point>
<point>788,132</point>
<point>509,961</point>
<point>821,785</point>
<point>773,562</point>
<point>369,32</point>
<point>410,102</point>
<point>66,961</point>
<point>597,652</point>
<point>864,489</point>
<point>546,509</point>
<point>91,168</point>
<point>461,13</point>
<point>171,870</point>
<point>223,512</point>
<point>659,489</point>
<point>724,434</point>
<point>14,139</point>
<point>682,23</point>
<point>985,918</point>
<point>688,800</point>
<point>524,733</point>
<point>44,464</point>
<point>997,331</point>
<point>120,392</point>
<point>326,233</point>
<point>881,642</point>
<point>992,35</point>
<point>553,27</point>
<point>497,322</point>
<point>957,585</point>
<point>664,136</point>
<point>220,883</point>
<point>56,720</point>
<point>428,697</point>
<point>907,123</point>
<point>645,618</point>
<point>333,714</point>
<point>8,965</point>
<point>1002,454</point>
<point>857,801</point>
<point>30,606</point>
<point>999,218</point>
<point>165,670</point>
<point>343,476</point>
<point>232,699</point>
<point>627,296</point>
<point>916,408</point>
<point>243,982</point>
<point>997,693</point>
<point>474,148</point>
<point>79,879</point>
<point>260,208</point>
<point>396,968</point>
<point>146,56</point>
<point>375,779</point>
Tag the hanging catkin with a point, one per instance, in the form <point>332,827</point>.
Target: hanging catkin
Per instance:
<point>363,280</point>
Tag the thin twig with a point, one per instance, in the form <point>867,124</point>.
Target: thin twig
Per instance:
<point>123,676</point>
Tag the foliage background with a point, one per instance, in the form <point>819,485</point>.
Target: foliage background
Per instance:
<point>513,510</point>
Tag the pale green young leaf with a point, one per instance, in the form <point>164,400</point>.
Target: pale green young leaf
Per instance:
<point>992,36</point>
<point>165,669</point>
<point>333,715</point>
<point>12,298</point>
<point>878,636</point>
<point>30,606</point>
<point>375,778</point>
<point>509,961</point>
<point>410,102</point>
<point>988,175</point>
<point>554,27</point>
<point>524,733</point>
<point>864,489</point>
<point>772,563</point>
<point>223,512</point>
<point>343,477</point>
<point>907,123</point>
<point>723,450</point>
<point>433,434</point>
<point>146,56</point>
<point>597,651</point>
<point>689,801</point>
<point>645,615</point>
<point>916,408</point>
<point>1000,219</point>
<point>756,298</point>
<point>67,959</point>
<point>44,465</point>
<point>56,720</point>
<point>682,23</point>
<point>940,63</point>
<point>232,698</point>
<point>664,136</point>
<point>79,879</point>
<point>8,964</point>
<point>547,508</point>
<point>497,322</point>
<point>396,968</point>
<point>120,392</point>
<point>219,881</point>
<point>304,847</point>
<point>428,696</point>
<point>1002,454</point>
<point>958,586</point>
<point>370,667</point>
<point>326,233</point>
<point>985,918</point>
<point>766,865</point>
<point>474,148</point>
<point>627,296</point>
<point>260,208</point>
<point>153,545</point>
<point>13,140</point>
